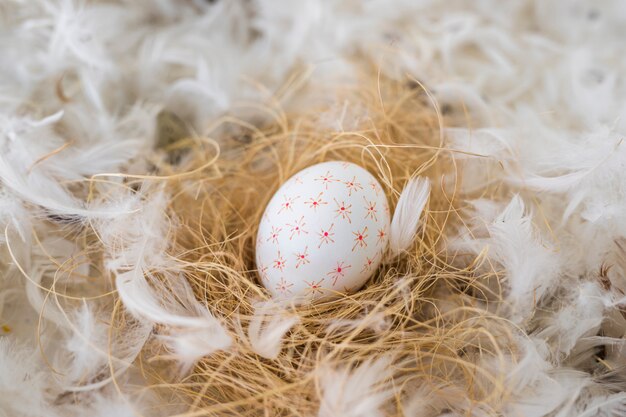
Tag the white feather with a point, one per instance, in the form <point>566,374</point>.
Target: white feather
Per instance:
<point>138,245</point>
<point>267,328</point>
<point>379,322</point>
<point>93,357</point>
<point>406,218</point>
<point>23,382</point>
<point>534,388</point>
<point>609,406</point>
<point>359,392</point>
<point>581,316</point>
<point>531,267</point>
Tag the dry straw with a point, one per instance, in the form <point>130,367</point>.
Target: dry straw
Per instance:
<point>422,313</point>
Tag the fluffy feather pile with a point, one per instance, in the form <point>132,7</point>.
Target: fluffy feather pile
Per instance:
<point>533,98</point>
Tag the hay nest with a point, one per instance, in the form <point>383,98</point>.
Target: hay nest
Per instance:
<point>420,321</point>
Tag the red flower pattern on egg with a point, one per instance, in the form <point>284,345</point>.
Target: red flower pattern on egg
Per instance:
<point>353,186</point>
<point>360,239</point>
<point>343,210</point>
<point>284,286</point>
<point>370,210</point>
<point>302,258</point>
<point>287,204</point>
<point>338,271</point>
<point>327,179</point>
<point>368,264</point>
<point>315,202</point>
<point>274,234</point>
<point>297,227</point>
<point>374,185</point>
<point>315,287</point>
<point>263,271</point>
<point>326,236</point>
<point>381,235</point>
<point>280,262</point>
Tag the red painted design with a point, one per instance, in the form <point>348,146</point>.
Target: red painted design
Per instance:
<point>326,179</point>
<point>287,204</point>
<point>352,185</point>
<point>326,236</point>
<point>284,286</point>
<point>298,180</point>
<point>360,239</point>
<point>381,235</point>
<point>368,264</point>
<point>274,234</point>
<point>316,202</point>
<point>302,258</point>
<point>297,227</point>
<point>374,187</point>
<point>345,165</point>
<point>343,210</point>
<point>263,272</point>
<point>279,262</point>
<point>370,210</point>
<point>315,287</point>
<point>339,271</point>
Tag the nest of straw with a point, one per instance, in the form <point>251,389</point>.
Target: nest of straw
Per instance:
<point>423,312</point>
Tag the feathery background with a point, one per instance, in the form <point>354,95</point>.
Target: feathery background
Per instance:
<point>533,94</point>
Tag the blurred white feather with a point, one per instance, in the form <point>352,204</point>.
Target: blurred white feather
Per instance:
<point>530,264</point>
<point>92,357</point>
<point>531,267</point>
<point>357,392</point>
<point>604,406</point>
<point>148,286</point>
<point>267,328</point>
<point>581,316</point>
<point>23,382</point>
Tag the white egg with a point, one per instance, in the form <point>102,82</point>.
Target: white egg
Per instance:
<point>324,232</point>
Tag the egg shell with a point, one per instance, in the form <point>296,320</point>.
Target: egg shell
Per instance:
<point>323,233</point>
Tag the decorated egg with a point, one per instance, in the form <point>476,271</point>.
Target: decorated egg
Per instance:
<point>324,232</point>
